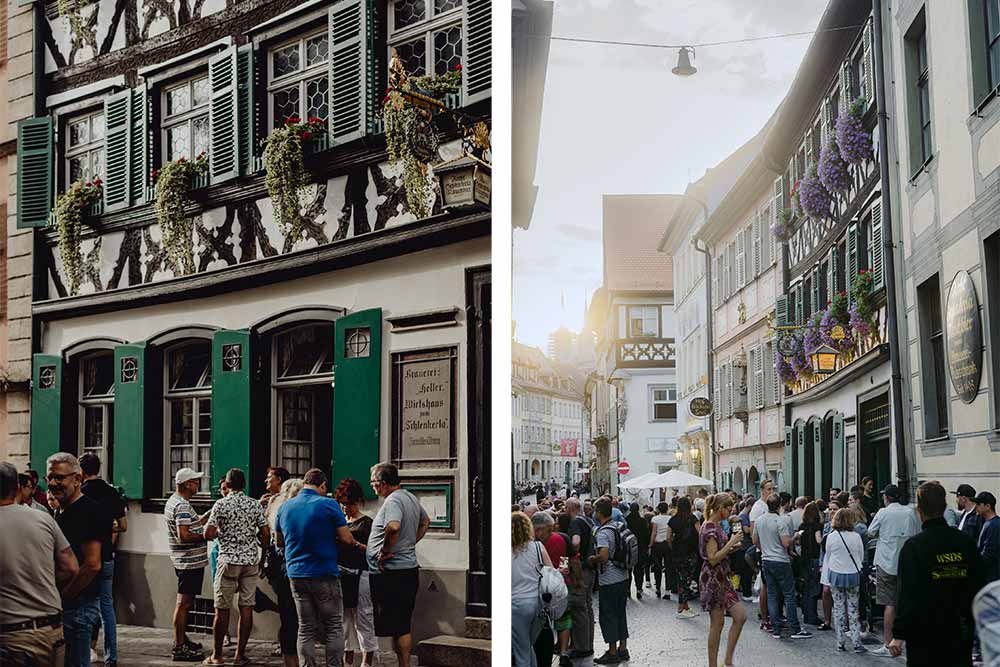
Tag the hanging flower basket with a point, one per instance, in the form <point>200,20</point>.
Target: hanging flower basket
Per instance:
<point>793,198</point>
<point>285,172</point>
<point>814,198</point>
<point>782,227</point>
<point>862,309</point>
<point>854,141</point>
<point>833,171</point>
<point>837,315</point>
<point>69,209</point>
<point>784,370</point>
<point>409,136</point>
<point>173,183</point>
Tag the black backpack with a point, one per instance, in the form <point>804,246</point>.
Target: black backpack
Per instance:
<point>626,554</point>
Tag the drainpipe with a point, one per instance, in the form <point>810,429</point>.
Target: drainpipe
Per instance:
<point>903,468</point>
<point>709,337</point>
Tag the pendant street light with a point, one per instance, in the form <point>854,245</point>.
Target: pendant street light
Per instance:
<point>684,67</point>
<point>679,455</point>
<point>824,360</point>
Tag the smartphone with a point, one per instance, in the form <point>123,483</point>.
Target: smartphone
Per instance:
<point>737,527</point>
<point>563,562</point>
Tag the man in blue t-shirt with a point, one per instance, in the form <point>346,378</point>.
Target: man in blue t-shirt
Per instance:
<point>307,526</point>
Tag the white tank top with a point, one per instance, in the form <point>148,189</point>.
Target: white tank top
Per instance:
<point>524,569</point>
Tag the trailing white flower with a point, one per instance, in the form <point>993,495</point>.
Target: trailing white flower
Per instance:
<point>173,182</point>
<point>69,223</point>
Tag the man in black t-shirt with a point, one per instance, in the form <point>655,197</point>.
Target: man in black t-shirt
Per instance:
<point>113,510</point>
<point>581,603</point>
<point>84,524</point>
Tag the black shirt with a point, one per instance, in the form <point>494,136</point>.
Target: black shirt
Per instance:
<point>352,557</point>
<point>112,507</point>
<point>685,539</point>
<point>810,547</point>
<point>83,521</point>
<point>940,571</point>
<point>580,527</point>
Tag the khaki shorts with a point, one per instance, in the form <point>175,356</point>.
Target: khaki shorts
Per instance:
<point>229,578</point>
<point>45,646</point>
<point>885,587</point>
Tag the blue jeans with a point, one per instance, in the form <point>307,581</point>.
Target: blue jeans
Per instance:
<point>780,581</point>
<point>107,602</point>
<point>78,622</point>
<point>522,616</point>
<point>811,591</point>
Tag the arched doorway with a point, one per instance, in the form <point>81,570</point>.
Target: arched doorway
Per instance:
<point>793,475</point>
<point>826,455</point>
<point>753,480</point>
<point>809,460</point>
<point>738,480</point>
<point>535,469</point>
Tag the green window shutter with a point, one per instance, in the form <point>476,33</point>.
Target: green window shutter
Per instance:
<point>246,121</point>
<point>351,31</point>
<point>799,305</point>
<point>781,311</point>
<point>478,63</point>
<point>131,403</point>
<point>868,60</point>
<point>814,292</point>
<point>788,471</point>
<point>809,148</point>
<point>846,85</point>
<point>357,405</point>
<point>231,403</point>
<point>46,408</point>
<point>140,149</point>
<point>878,250</point>
<point>838,452</point>
<point>118,150</point>
<point>832,272</point>
<point>222,111</point>
<point>800,448</point>
<point>778,200</point>
<point>817,445</point>
<point>852,254</point>
<point>34,172</point>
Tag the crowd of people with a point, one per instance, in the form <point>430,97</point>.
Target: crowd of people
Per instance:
<point>341,577</point>
<point>848,562</point>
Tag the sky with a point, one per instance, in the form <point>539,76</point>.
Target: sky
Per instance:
<point>616,121</point>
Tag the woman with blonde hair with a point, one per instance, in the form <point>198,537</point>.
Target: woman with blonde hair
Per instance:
<point>844,555</point>
<point>717,594</point>
<point>526,560</point>
<point>277,576</point>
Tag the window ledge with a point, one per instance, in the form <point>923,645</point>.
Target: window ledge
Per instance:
<point>923,169</point>
<point>938,446</point>
<point>993,439</point>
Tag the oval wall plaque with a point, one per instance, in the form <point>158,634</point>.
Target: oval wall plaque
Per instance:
<point>965,337</point>
<point>700,407</point>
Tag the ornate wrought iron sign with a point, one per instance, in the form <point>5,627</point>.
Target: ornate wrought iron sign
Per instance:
<point>788,344</point>
<point>965,337</point>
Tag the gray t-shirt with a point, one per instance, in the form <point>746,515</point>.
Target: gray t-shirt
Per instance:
<point>769,529</point>
<point>610,572</point>
<point>28,553</point>
<point>401,506</point>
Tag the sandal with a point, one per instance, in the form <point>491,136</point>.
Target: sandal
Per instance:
<point>209,662</point>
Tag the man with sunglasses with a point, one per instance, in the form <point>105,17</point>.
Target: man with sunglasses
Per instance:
<point>86,528</point>
<point>401,522</point>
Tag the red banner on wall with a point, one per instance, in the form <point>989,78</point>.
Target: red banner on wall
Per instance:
<point>567,447</point>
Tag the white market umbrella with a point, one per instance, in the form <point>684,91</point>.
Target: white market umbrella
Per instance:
<point>674,479</point>
<point>636,482</point>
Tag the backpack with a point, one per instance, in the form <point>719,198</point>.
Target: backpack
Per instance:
<point>552,592</point>
<point>626,555</point>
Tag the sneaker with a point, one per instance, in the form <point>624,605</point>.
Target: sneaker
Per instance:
<point>776,635</point>
<point>194,646</point>
<point>184,654</point>
<point>638,594</point>
<point>93,656</point>
<point>823,626</point>
<point>608,658</point>
<point>565,661</point>
<point>840,647</point>
<point>578,653</point>
<point>860,649</point>
<point>689,613</point>
<point>623,655</point>
<point>802,634</point>
<point>882,652</point>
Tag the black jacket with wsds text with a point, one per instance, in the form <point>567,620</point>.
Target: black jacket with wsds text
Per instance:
<point>940,571</point>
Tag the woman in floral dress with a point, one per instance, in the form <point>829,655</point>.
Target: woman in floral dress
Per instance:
<point>717,593</point>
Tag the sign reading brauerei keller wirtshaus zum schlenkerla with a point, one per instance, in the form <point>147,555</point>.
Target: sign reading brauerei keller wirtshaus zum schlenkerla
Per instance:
<point>426,410</point>
<point>965,337</point>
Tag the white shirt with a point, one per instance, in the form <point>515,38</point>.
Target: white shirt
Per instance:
<point>758,510</point>
<point>838,556</point>
<point>893,525</point>
<point>659,522</point>
<point>795,518</point>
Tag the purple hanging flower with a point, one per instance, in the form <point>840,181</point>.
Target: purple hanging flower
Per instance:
<point>859,325</point>
<point>782,227</point>
<point>811,336</point>
<point>814,198</point>
<point>784,369</point>
<point>833,171</point>
<point>854,141</point>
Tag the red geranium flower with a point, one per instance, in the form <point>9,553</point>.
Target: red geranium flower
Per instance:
<point>155,174</point>
<point>97,182</point>
<point>458,67</point>
<point>306,134</point>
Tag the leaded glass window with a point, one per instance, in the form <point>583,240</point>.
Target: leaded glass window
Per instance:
<point>188,397</point>
<point>185,120</point>
<point>298,79</point>
<point>84,154</point>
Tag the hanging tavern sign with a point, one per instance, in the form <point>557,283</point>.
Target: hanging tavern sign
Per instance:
<point>965,337</point>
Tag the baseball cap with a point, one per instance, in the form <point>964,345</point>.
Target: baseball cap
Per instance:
<point>891,490</point>
<point>987,498</point>
<point>186,475</point>
<point>965,490</point>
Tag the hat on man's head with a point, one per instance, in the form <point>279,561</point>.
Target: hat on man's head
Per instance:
<point>965,490</point>
<point>986,498</point>
<point>892,491</point>
<point>186,475</point>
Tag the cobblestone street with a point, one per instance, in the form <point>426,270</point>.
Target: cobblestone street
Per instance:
<point>657,638</point>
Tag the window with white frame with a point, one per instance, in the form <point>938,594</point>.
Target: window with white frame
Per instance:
<point>303,398</point>
<point>643,321</point>
<point>97,407</point>
<point>185,119</point>
<point>84,153</point>
<point>188,397</point>
<point>298,79</point>
<point>663,403</point>
<point>427,35</point>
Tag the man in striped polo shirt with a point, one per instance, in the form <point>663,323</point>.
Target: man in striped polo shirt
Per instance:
<point>189,554</point>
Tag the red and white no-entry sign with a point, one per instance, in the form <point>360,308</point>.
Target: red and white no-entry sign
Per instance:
<point>624,468</point>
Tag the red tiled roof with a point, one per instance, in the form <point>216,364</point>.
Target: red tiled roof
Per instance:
<point>633,226</point>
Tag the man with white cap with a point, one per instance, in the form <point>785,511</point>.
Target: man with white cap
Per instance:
<point>189,554</point>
